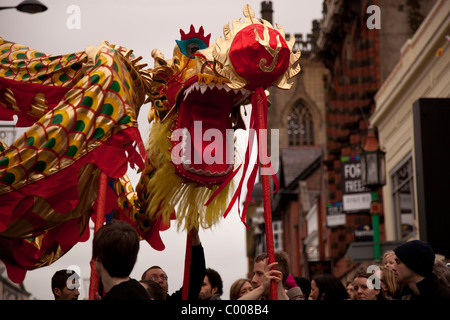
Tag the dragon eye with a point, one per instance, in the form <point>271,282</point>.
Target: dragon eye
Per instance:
<point>192,48</point>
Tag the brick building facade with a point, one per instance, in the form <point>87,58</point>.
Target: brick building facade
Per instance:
<point>323,118</point>
<point>359,58</point>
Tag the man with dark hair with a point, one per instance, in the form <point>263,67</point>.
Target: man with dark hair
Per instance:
<point>414,268</point>
<point>114,251</point>
<point>212,287</point>
<point>263,275</point>
<point>282,262</point>
<point>65,285</point>
<point>157,274</point>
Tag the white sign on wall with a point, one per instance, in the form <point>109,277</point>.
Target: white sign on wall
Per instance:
<point>335,216</point>
<point>356,201</point>
<point>355,197</point>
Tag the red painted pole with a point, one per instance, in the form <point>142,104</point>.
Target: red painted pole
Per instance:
<point>99,221</point>
<point>187,267</point>
<point>260,105</point>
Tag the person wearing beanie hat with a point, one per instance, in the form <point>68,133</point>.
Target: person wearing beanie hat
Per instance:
<point>414,268</point>
<point>417,255</point>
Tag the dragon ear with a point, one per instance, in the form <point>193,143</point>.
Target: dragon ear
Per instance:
<point>206,38</point>
<point>193,34</point>
<point>183,35</point>
<point>193,41</point>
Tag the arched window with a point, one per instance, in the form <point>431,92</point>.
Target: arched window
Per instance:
<point>300,126</point>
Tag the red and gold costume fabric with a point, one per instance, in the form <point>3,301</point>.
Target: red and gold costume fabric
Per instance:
<point>81,109</point>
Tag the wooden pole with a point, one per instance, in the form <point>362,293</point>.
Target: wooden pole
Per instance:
<point>260,105</point>
<point>99,221</point>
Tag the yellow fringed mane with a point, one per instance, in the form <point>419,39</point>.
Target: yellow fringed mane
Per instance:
<point>166,190</point>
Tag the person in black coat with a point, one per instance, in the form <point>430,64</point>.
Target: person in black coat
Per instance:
<point>414,269</point>
<point>114,250</point>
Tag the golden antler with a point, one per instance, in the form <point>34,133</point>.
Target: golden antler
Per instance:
<point>273,52</point>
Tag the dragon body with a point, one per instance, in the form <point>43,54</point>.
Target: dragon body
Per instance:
<point>82,110</point>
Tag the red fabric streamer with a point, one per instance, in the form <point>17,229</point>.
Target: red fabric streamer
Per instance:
<point>259,97</point>
<point>258,122</point>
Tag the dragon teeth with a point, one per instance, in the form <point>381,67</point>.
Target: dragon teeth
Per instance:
<point>187,162</point>
<point>207,173</point>
<point>202,87</point>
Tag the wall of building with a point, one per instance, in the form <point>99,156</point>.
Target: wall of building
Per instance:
<point>399,21</point>
<point>419,72</point>
<point>307,87</point>
<point>359,60</point>
<point>355,63</point>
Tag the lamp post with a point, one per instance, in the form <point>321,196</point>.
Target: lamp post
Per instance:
<point>28,6</point>
<point>373,176</point>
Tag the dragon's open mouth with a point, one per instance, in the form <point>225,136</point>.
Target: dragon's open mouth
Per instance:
<point>203,136</point>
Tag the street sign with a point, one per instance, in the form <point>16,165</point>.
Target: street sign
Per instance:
<point>356,197</point>
<point>335,216</point>
<point>356,202</point>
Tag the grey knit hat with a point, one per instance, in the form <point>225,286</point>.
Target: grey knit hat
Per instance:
<point>416,255</point>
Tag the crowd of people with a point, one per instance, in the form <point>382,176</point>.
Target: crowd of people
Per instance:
<point>409,272</point>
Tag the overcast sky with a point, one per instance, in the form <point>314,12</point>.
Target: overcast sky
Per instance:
<point>144,25</point>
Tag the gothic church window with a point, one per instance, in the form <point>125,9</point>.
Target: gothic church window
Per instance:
<point>300,126</point>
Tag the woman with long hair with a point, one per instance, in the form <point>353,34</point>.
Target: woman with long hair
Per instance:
<point>390,288</point>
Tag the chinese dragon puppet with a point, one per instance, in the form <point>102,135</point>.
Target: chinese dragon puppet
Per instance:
<point>81,110</point>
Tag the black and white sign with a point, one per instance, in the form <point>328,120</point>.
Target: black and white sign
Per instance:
<point>335,216</point>
<point>356,197</point>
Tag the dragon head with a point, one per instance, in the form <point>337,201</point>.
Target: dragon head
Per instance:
<point>196,98</point>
